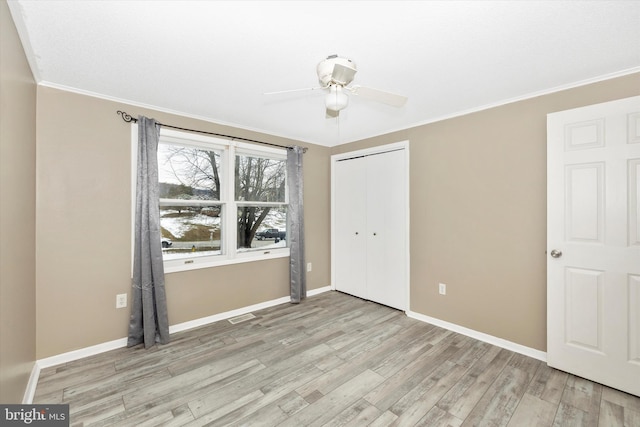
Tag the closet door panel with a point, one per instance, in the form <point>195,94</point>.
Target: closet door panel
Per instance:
<point>386,229</point>
<point>350,222</point>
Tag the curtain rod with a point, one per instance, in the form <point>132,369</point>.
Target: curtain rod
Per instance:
<point>128,118</point>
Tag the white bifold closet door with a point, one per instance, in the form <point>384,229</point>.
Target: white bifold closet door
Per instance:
<point>370,255</point>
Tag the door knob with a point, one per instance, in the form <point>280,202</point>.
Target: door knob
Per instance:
<point>556,253</point>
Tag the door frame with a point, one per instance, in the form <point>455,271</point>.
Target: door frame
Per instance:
<point>401,145</point>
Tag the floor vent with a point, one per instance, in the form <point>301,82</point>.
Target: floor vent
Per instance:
<point>242,318</point>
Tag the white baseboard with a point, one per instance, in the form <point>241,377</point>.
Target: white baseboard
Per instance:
<point>490,339</point>
<point>237,312</point>
<point>318,291</point>
<point>226,315</point>
<point>81,353</point>
<point>30,391</point>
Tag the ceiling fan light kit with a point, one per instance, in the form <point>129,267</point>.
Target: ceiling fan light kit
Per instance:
<point>335,74</point>
<point>336,99</point>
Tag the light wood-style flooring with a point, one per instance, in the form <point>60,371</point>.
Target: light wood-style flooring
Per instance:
<point>333,360</point>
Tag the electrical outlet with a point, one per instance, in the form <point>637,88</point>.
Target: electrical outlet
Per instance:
<point>121,300</point>
<point>308,266</point>
<point>442,288</point>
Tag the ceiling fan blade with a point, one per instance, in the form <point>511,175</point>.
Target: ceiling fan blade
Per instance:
<point>331,114</point>
<point>342,75</point>
<point>379,95</point>
<point>294,90</point>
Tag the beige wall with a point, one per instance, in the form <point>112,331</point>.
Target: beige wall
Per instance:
<point>84,228</point>
<point>477,220</point>
<point>17,214</point>
<point>478,212</point>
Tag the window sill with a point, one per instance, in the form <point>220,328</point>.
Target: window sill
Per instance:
<point>188,264</point>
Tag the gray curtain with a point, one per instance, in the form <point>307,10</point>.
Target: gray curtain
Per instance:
<point>295,225</point>
<point>149,320</point>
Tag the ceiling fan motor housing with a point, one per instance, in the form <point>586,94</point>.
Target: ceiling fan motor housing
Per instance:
<point>325,70</point>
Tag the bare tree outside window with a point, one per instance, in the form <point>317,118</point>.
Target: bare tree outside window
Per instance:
<point>189,174</point>
<point>257,179</point>
<point>194,170</point>
<point>193,174</point>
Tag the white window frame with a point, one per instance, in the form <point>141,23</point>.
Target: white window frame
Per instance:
<point>229,206</point>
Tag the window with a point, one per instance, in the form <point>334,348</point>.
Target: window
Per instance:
<point>221,202</point>
<point>190,212</point>
<point>260,198</point>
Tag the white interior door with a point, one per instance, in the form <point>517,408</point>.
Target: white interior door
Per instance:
<point>350,222</point>
<point>593,237</point>
<point>386,229</point>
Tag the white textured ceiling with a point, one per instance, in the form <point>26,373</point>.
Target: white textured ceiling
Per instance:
<point>214,59</point>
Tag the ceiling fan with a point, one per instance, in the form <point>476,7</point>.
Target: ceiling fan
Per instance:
<point>335,74</point>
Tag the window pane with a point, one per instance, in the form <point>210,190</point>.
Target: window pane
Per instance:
<point>188,173</point>
<point>261,227</point>
<point>259,179</point>
<point>189,231</point>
